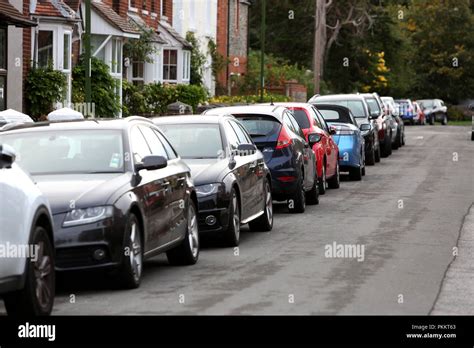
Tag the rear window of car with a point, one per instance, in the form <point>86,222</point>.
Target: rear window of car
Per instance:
<point>301,118</point>
<point>259,125</point>
<point>335,116</point>
<point>373,105</point>
<point>194,141</point>
<point>356,106</point>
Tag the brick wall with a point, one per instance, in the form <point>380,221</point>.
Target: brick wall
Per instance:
<point>221,40</point>
<point>26,51</point>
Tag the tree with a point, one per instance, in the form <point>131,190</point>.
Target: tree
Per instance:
<point>197,60</point>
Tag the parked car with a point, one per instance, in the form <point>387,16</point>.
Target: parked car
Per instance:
<point>27,284</point>
<point>360,110</point>
<point>385,123</point>
<point>326,150</point>
<point>420,117</point>
<point>118,191</point>
<point>11,116</point>
<point>287,154</point>
<point>406,110</point>
<point>348,136</point>
<point>233,184</point>
<point>393,108</point>
<point>434,110</point>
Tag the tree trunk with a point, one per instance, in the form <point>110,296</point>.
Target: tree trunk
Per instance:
<point>319,43</point>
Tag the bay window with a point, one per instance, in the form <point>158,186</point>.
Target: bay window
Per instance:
<point>170,66</point>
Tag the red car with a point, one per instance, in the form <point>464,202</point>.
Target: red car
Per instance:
<point>326,150</point>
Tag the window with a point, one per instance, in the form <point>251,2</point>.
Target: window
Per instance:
<point>139,145</point>
<point>138,74</point>
<point>240,134</point>
<point>144,5</point>
<point>45,48</point>
<point>132,5</point>
<point>301,118</point>
<point>116,63</point>
<point>67,51</point>
<point>155,145</point>
<point>170,65</point>
<point>169,149</point>
<point>153,6</point>
<point>186,65</point>
<point>232,137</point>
<point>3,87</point>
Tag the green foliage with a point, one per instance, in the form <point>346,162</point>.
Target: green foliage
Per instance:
<point>103,88</point>
<point>219,62</point>
<point>197,60</point>
<point>141,49</point>
<point>44,88</point>
<point>153,99</point>
<point>457,114</point>
<point>248,99</point>
<point>277,71</point>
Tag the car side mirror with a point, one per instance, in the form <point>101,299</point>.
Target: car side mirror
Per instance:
<point>152,162</point>
<point>332,130</point>
<point>245,150</point>
<point>364,127</point>
<point>313,138</point>
<point>7,156</point>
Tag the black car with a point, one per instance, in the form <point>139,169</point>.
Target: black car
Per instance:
<point>233,184</point>
<point>288,155</point>
<point>118,191</point>
<point>359,108</point>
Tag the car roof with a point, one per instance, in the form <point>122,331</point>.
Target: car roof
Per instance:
<point>333,107</point>
<point>95,123</point>
<point>338,97</point>
<point>207,118</point>
<point>290,104</point>
<point>257,109</point>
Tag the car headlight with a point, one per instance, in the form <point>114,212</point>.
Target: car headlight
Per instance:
<point>207,190</point>
<point>87,216</point>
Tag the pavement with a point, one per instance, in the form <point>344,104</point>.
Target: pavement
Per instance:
<point>406,216</point>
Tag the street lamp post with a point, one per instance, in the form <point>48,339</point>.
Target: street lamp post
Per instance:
<point>87,53</point>
<point>262,50</point>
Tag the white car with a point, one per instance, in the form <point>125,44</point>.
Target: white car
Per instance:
<point>27,276</point>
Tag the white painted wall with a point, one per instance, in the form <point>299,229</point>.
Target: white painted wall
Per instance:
<point>15,63</point>
<point>199,16</point>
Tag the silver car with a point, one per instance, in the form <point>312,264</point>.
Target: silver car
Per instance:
<point>27,278</point>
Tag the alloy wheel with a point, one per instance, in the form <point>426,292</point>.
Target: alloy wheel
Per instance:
<point>43,270</point>
<point>136,252</point>
<point>193,231</point>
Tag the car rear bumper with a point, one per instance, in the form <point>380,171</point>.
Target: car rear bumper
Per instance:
<point>349,155</point>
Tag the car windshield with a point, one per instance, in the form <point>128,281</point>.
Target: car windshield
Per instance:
<point>194,140</point>
<point>68,151</point>
<point>301,118</point>
<point>373,105</point>
<point>426,103</point>
<point>356,106</point>
<point>335,116</point>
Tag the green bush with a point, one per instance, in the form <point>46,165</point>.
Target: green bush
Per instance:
<point>103,88</point>
<point>153,98</point>
<point>44,88</point>
<point>456,114</point>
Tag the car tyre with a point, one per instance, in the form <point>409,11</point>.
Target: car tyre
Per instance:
<point>322,182</point>
<point>130,273</point>
<point>444,122</point>
<point>335,181</point>
<point>297,205</point>
<point>355,174</point>
<point>377,155</point>
<point>370,160</point>
<point>187,253</point>
<point>264,223</point>
<point>37,297</point>
<point>312,196</point>
<point>232,234</point>
<point>432,120</point>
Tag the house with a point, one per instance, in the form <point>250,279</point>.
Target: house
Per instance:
<point>200,18</point>
<point>232,41</point>
<point>12,21</point>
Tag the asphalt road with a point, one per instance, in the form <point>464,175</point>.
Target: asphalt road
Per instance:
<point>407,213</point>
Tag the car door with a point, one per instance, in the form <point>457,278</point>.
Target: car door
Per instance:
<point>179,176</point>
<point>332,150</point>
<point>152,192</point>
<point>254,179</point>
<point>242,170</point>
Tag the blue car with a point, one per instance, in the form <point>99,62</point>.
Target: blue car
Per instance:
<point>349,138</point>
<point>406,110</point>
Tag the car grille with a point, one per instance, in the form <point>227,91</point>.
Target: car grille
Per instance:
<point>80,257</point>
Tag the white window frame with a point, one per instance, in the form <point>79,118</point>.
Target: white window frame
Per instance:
<point>142,78</point>
<point>131,8</point>
<point>163,65</point>
<point>186,66</point>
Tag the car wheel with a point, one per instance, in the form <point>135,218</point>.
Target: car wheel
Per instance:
<point>130,274</point>
<point>370,160</point>
<point>355,174</point>
<point>37,297</point>
<point>297,205</point>
<point>232,234</point>
<point>403,138</point>
<point>472,136</point>
<point>322,182</point>
<point>335,181</point>
<point>312,196</point>
<point>264,223</point>
<point>444,122</point>
<point>377,155</point>
<point>396,143</point>
<point>187,253</point>
<point>432,120</point>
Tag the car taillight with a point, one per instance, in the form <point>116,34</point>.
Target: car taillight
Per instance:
<point>284,139</point>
